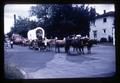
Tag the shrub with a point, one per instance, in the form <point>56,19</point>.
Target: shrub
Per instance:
<point>103,40</point>
<point>95,41</point>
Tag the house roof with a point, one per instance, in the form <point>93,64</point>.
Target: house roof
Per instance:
<point>105,15</point>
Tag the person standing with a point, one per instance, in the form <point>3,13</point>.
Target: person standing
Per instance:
<point>11,44</point>
<point>45,43</point>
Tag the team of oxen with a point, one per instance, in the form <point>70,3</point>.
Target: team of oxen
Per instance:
<point>76,42</point>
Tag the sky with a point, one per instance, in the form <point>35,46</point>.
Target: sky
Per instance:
<point>23,11</point>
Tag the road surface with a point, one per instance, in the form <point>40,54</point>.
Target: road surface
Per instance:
<point>42,65</point>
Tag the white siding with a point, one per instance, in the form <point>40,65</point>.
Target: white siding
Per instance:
<point>100,25</point>
<point>113,36</point>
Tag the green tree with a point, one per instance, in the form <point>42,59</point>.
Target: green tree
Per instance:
<point>63,19</point>
<point>22,26</point>
<point>57,19</point>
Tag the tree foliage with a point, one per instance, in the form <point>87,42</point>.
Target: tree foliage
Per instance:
<point>58,20</point>
<point>63,19</point>
<point>22,26</point>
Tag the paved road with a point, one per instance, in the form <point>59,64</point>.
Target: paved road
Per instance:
<point>100,63</point>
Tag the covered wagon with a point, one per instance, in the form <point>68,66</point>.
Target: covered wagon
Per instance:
<point>36,37</point>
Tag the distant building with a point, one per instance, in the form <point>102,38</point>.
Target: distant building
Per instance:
<point>103,27</point>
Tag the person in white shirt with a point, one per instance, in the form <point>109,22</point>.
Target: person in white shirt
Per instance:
<point>11,44</point>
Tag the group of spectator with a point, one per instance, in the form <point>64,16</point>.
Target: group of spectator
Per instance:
<point>8,42</point>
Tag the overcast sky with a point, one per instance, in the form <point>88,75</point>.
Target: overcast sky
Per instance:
<point>22,10</point>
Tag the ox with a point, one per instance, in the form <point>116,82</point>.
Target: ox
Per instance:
<point>78,44</point>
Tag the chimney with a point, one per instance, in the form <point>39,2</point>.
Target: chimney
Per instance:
<point>104,11</point>
<point>14,19</point>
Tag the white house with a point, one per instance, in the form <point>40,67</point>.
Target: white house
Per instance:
<point>103,27</point>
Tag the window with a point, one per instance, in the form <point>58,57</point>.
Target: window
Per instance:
<point>95,33</point>
<point>104,30</point>
<point>104,19</point>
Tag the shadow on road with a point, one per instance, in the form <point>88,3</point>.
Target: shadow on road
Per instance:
<point>80,58</point>
<point>28,59</point>
<point>37,61</point>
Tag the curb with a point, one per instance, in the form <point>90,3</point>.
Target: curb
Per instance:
<point>12,71</point>
<point>24,74</point>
